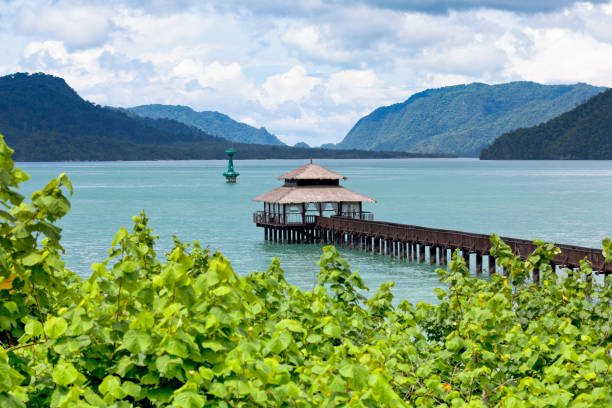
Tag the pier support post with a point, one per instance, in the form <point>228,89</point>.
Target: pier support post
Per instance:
<point>443,256</point>
<point>432,255</point>
<point>536,276</point>
<point>478,263</point>
<point>491,267</point>
<point>466,256</point>
<point>421,253</point>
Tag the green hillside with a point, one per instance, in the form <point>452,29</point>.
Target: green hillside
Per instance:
<point>43,119</point>
<point>462,119</point>
<point>584,132</point>
<point>213,123</point>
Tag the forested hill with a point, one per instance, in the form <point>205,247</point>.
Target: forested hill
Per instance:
<point>213,123</point>
<point>584,132</point>
<point>43,119</point>
<point>463,119</point>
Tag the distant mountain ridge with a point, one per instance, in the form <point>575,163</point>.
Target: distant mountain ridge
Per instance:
<point>584,132</point>
<point>43,119</point>
<point>213,123</point>
<point>462,119</point>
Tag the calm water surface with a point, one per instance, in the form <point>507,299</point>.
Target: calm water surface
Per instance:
<point>568,202</point>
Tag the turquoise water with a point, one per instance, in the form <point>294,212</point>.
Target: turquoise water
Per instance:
<point>568,202</point>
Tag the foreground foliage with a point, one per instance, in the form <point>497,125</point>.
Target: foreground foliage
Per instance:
<point>185,330</point>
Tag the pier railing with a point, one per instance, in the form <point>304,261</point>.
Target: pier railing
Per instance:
<point>390,234</point>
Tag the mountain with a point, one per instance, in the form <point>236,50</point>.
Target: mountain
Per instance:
<point>213,123</point>
<point>302,144</point>
<point>462,119</point>
<point>43,119</point>
<point>584,132</point>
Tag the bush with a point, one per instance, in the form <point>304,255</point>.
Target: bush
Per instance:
<point>187,331</point>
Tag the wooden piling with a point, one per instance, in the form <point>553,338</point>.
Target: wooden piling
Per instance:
<point>491,265</point>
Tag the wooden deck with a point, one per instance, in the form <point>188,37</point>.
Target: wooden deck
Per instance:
<point>411,242</point>
<point>414,243</point>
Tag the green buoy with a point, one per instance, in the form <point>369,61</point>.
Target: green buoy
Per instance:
<point>230,174</point>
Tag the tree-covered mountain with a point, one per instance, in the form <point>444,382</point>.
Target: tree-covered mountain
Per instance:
<point>213,123</point>
<point>584,132</point>
<point>462,119</point>
<point>43,119</point>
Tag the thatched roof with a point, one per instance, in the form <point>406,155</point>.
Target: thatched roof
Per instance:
<point>311,171</point>
<point>312,194</point>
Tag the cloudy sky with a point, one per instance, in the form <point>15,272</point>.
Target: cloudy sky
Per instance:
<point>306,70</point>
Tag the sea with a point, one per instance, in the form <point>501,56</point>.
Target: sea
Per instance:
<point>567,202</point>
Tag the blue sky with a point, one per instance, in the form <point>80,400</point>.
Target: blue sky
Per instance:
<point>306,70</point>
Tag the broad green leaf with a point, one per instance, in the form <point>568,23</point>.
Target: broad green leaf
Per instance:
<point>55,327</point>
<point>65,374</point>
<point>136,341</point>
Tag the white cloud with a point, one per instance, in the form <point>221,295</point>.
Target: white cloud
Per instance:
<point>292,85</point>
<point>356,87</point>
<point>561,56</point>
<point>77,26</point>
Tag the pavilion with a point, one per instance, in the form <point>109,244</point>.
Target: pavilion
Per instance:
<point>308,191</point>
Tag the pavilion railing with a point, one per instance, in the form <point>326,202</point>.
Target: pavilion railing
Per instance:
<point>290,219</point>
<point>295,219</point>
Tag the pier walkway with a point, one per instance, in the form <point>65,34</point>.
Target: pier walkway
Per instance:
<point>417,244</point>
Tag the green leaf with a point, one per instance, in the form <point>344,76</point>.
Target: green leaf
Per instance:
<point>131,389</point>
<point>332,330</point>
<point>31,259</point>
<point>65,374</point>
<point>55,327</point>
<point>279,342</point>
<point>111,385</point>
<point>34,328</point>
<point>136,341</point>
<point>189,399</point>
<point>314,338</point>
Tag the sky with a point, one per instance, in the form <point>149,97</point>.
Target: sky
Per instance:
<point>304,70</point>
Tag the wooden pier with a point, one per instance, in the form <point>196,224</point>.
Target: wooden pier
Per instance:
<point>412,242</point>
<point>311,207</point>
<point>417,244</point>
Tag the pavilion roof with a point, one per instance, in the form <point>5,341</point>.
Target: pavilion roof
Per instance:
<point>312,171</point>
<point>312,194</point>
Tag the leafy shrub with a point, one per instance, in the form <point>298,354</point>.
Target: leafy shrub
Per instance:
<point>187,331</point>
